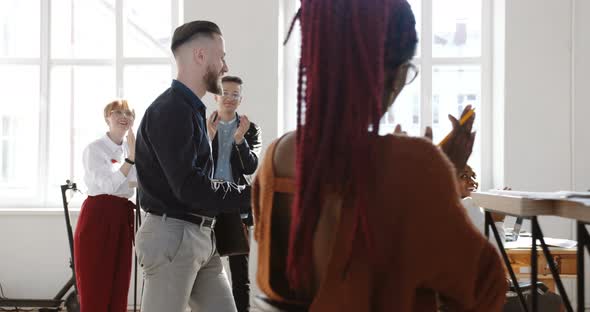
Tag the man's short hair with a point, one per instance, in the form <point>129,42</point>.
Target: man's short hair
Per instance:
<point>234,79</point>
<point>188,31</point>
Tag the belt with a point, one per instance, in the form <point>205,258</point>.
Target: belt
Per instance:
<point>192,218</point>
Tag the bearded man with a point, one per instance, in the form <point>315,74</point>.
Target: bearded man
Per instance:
<point>176,242</point>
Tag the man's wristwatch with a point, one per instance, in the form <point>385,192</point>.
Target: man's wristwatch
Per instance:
<point>129,161</point>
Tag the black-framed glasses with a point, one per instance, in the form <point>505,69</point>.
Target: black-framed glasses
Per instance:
<point>231,96</point>
<point>126,113</point>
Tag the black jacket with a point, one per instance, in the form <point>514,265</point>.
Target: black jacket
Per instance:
<point>173,158</point>
<point>243,159</point>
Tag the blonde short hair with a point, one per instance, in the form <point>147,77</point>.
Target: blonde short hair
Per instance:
<point>117,104</point>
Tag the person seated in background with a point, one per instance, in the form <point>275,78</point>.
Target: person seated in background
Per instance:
<point>467,182</point>
<point>348,220</point>
<point>467,185</point>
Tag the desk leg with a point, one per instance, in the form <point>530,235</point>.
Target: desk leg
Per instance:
<point>552,267</point>
<point>491,224</point>
<point>534,294</point>
<point>581,231</point>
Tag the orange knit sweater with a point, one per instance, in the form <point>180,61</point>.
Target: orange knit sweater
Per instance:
<point>423,238</point>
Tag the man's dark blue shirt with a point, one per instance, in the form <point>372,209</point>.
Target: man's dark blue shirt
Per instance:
<point>173,157</point>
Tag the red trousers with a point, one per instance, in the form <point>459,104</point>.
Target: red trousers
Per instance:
<point>102,253</point>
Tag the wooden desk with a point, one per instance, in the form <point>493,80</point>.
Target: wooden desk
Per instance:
<point>531,206</point>
<point>565,259</point>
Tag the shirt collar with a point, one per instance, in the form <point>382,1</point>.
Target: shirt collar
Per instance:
<point>112,146</point>
<point>228,122</point>
<point>194,99</point>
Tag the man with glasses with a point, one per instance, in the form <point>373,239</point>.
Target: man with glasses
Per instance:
<point>235,144</point>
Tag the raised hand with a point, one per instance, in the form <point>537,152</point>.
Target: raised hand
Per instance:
<point>212,123</point>
<point>428,133</point>
<point>131,144</point>
<point>398,130</point>
<point>459,145</point>
<point>242,129</point>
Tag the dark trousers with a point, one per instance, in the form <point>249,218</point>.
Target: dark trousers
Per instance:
<point>240,281</point>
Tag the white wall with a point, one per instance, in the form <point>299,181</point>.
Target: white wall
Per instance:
<point>581,108</point>
<point>538,101</point>
<point>581,96</point>
<point>34,254</point>
<point>541,137</point>
<point>541,79</point>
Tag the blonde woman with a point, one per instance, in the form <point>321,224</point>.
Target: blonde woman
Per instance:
<point>104,232</point>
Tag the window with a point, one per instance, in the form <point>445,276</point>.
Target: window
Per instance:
<point>452,56</point>
<point>61,62</point>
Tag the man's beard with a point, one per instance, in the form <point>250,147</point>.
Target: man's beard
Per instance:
<point>213,81</point>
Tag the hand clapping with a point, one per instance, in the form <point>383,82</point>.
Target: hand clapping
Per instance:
<point>242,129</point>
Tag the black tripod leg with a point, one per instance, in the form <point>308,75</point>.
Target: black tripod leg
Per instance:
<point>135,256</point>
<point>137,225</point>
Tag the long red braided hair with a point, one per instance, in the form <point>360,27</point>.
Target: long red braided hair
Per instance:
<point>341,84</point>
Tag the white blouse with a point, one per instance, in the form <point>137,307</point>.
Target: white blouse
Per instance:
<point>102,160</point>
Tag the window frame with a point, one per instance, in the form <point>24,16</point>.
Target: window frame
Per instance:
<point>426,62</point>
<point>45,62</point>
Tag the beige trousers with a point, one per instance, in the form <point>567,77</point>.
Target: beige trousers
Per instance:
<point>181,267</point>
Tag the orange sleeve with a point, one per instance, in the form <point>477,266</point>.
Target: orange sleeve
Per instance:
<point>451,256</point>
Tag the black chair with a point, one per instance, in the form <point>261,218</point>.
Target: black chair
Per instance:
<point>548,301</point>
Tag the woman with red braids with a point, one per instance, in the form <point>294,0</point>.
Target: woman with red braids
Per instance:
<point>372,223</point>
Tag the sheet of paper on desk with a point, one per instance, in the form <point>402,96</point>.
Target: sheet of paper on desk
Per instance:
<point>526,242</point>
<point>581,197</point>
